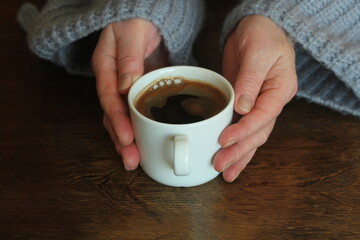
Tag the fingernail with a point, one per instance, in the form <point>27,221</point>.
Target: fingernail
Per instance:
<point>226,166</point>
<point>126,167</point>
<point>245,103</point>
<point>230,144</point>
<point>125,82</point>
<point>235,177</point>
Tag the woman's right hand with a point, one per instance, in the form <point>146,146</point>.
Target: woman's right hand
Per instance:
<point>125,51</point>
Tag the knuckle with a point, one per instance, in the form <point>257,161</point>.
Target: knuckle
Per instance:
<point>266,133</point>
<point>126,59</point>
<point>295,88</point>
<point>250,82</point>
<point>106,123</point>
<point>129,63</point>
<point>268,114</point>
<point>264,137</point>
<point>291,88</point>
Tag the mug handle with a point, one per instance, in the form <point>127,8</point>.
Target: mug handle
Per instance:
<point>181,156</point>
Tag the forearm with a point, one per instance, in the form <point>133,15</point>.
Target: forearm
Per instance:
<point>53,31</point>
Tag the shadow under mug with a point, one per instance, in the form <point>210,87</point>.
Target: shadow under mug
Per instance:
<point>180,155</point>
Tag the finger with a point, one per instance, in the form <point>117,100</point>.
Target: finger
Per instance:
<point>228,156</point>
<point>115,108</point>
<point>104,56</point>
<point>136,39</point>
<point>234,171</point>
<point>257,51</point>
<point>275,93</point>
<point>130,154</point>
<point>254,65</point>
<point>110,129</point>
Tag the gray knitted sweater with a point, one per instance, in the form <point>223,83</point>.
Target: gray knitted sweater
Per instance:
<point>326,33</point>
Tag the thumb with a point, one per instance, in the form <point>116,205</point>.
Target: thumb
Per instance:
<point>253,69</point>
<point>134,44</point>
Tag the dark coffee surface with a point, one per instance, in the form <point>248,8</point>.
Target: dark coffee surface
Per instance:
<point>174,112</point>
<point>179,103</point>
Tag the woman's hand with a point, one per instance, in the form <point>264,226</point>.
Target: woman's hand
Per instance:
<point>125,51</point>
<point>259,61</point>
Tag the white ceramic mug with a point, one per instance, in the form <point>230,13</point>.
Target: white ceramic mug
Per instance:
<point>180,155</point>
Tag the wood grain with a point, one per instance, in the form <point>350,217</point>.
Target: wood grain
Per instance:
<point>60,177</point>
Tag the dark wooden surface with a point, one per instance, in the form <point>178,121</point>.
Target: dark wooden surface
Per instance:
<point>60,177</point>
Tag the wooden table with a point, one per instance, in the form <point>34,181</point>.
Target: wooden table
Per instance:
<point>60,177</point>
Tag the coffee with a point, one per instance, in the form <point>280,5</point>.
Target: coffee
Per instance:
<point>177,100</point>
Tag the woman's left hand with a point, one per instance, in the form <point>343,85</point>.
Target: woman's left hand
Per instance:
<point>259,61</point>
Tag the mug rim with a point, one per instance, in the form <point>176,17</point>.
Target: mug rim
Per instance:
<point>131,98</point>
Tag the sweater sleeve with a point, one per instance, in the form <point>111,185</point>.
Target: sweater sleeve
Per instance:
<point>327,37</point>
<point>65,32</point>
